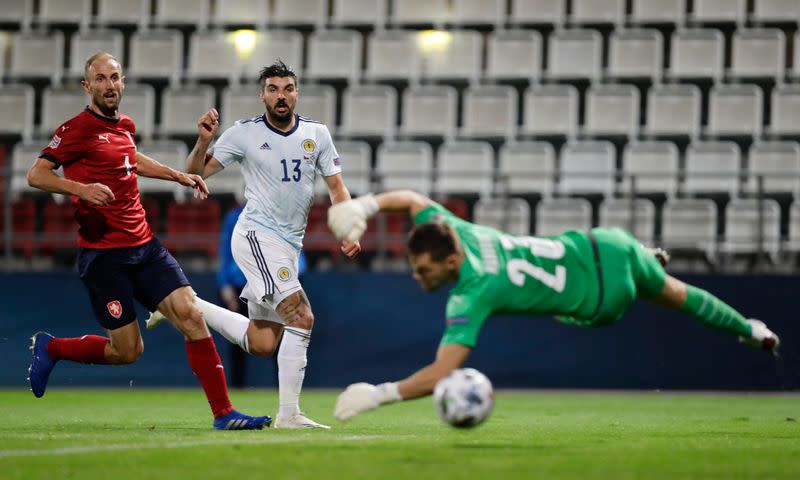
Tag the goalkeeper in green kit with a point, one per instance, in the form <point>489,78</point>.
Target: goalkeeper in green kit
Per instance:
<point>583,278</point>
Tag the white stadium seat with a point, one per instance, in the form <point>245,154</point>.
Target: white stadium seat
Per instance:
<point>17,12</point>
<point>156,54</point>
<point>334,55</point>
<point>776,11</point>
<point>478,12</point>
<point>588,167</point>
<point>690,224</point>
<point>742,222</point>
<point>369,111</point>
<point>356,160</point>
<point>673,110</point>
<point>596,12</point>
<point>213,56</point>
<point>465,167</point>
<point>272,45</point>
<point>719,11</point>
<point>557,215</point>
<point>638,218</point>
<point>489,111</point>
<point>514,55</point>
<point>758,53</point>
<point>429,111</point>
<point>129,12</point>
<point>38,55</point>
<point>654,165</point>
<point>527,167</point>
<point>612,110</point>
<point>779,164</point>
<point>17,110</point>
<point>793,241</point>
<point>392,55</point>
<point>301,13</point>
<point>636,54</point>
<point>239,104</point>
<point>460,60</point>
<point>241,12</point>
<point>182,12</point>
<point>181,107</point>
<point>538,12</point>
<point>318,102</point>
<point>139,103</point>
<point>59,105</point>
<point>712,167</point>
<point>509,215</point>
<point>785,118</point>
<point>73,12</point>
<point>361,13</point>
<point>697,53</point>
<point>405,165</point>
<point>575,54</point>
<point>23,156</point>
<point>550,110</point>
<point>735,110</point>
<point>85,44</point>
<point>419,12</point>
<point>658,12</point>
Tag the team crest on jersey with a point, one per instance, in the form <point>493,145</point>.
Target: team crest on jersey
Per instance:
<point>284,274</point>
<point>309,145</point>
<point>55,142</point>
<point>114,308</point>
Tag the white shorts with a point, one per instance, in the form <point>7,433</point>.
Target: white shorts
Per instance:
<point>270,266</point>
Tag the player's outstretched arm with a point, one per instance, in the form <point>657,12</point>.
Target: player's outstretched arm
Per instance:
<point>339,193</point>
<point>42,175</point>
<point>348,220</point>
<point>362,397</point>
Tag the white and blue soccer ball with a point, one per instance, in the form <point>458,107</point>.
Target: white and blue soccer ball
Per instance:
<point>464,398</point>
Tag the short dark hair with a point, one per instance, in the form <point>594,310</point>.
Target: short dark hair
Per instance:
<point>277,69</point>
<point>435,238</point>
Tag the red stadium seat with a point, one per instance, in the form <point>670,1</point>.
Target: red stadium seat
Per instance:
<point>456,205</point>
<point>23,226</point>
<point>59,229</point>
<point>193,226</point>
<point>152,211</point>
<point>318,238</point>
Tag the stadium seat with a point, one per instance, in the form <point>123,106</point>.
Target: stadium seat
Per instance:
<point>743,227</point>
<point>654,164</point>
<point>64,12</point>
<point>735,110</point>
<point>484,13</point>
<point>334,55</point>
<point>182,107</point>
<point>360,13</point>
<point>420,12</point>
<point>152,213</point>
<point>186,13</point>
<point>637,217</point>
<point>239,104</point>
<point>457,206</point>
<point>459,60</point>
<point>588,167</point>
<point>129,12</point>
<point>758,53</point>
<point>59,228</point>
<point>612,110</point>
<point>690,224</point>
<point>557,215</point>
<point>59,105</point>
<point>636,54</point>
<point>712,167</point>
<point>779,163</point>
<point>673,110</point>
<point>85,44</point>
<point>719,11</point>
<point>213,45</point>
<point>489,111</point>
<point>658,12</point>
<point>575,54</point>
<point>156,54</point>
<point>22,158</point>
<point>527,167</point>
<point>793,240</point>
<point>171,153</point>
<point>597,12</point>
<point>318,102</point>
<point>514,55</point>
<point>369,111</point>
<point>405,165</point>
<point>17,12</point>
<point>785,117</point>
<point>271,45</point>
<point>356,159</point>
<point>768,12</point>
<point>228,181</point>
<point>509,215</point>
<point>241,12</point>
<point>550,110</point>
<point>465,167</point>
<point>17,110</point>
<point>318,238</point>
<point>392,55</point>
<point>429,111</point>
<point>697,53</point>
<point>538,12</point>
<point>300,13</point>
<point>193,227</point>
<point>23,226</point>
<point>139,103</point>
<point>386,232</point>
<point>37,55</point>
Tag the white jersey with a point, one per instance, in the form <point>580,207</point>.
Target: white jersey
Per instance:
<point>279,170</point>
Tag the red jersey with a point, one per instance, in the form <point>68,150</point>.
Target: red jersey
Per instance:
<point>97,149</point>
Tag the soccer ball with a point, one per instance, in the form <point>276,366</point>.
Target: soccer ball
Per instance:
<point>464,398</point>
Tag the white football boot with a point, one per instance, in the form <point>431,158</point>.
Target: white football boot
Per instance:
<point>156,319</point>
<point>298,420</point>
<point>762,338</point>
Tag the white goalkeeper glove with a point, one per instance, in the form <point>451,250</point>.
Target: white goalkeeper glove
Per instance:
<point>348,220</point>
<point>361,397</point>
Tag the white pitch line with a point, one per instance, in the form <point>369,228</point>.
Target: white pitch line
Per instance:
<point>184,444</point>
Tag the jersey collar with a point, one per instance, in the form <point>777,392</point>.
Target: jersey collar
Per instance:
<point>279,132</point>
<point>102,117</point>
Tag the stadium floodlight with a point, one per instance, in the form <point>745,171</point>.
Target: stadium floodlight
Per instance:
<point>244,41</point>
<point>433,41</point>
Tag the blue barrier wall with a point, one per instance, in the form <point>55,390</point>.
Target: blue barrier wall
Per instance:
<point>377,327</point>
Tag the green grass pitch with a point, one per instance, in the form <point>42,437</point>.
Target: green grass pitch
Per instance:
<point>146,434</point>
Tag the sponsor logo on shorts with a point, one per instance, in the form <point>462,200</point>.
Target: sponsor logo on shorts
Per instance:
<point>114,308</point>
<point>284,274</point>
<point>309,145</point>
<point>55,142</point>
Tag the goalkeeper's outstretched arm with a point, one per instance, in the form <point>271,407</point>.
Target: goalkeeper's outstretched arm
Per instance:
<point>348,220</point>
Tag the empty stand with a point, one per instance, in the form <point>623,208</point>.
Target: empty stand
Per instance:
<point>735,110</point>
<point>359,13</point>
<point>490,111</point>
<point>612,110</point>
<point>182,107</point>
<point>514,55</point>
<point>658,12</point>
<point>538,12</point>
<point>575,54</point>
<point>697,54</point>
<point>653,166</point>
<point>319,103</point>
<point>550,110</point>
<point>713,168</point>
<point>17,110</point>
<point>334,55</point>
<point>369,111</point>
<point>588,167</point>
<point>465,167</point>
<point>555,216</point>
<point>156,54</point>
<point>401,165</point>
<point>300,13</point>
<point>637,217</point>
<point>429,111</point>
<point>510,215</point>
<point>673,110</point>
<point>779,164</point>
<point>752,226</point>
<point>392,55</point>
<point>636,54</point>
<point>690,225</point>
<point>527,167</point>
<point>193,227</point>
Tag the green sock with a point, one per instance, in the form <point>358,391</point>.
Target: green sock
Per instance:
<point>715,313</point>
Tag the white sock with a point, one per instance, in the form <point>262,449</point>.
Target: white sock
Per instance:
<point>292,368</point>
<point>230,325</point>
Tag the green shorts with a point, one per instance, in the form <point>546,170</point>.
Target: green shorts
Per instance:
<point>626,270</point>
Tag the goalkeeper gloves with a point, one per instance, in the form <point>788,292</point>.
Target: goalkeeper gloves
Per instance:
<point>348,220</point>
<point>362,397</point>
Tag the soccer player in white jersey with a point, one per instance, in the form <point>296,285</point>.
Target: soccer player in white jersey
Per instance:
<point>281,154</point>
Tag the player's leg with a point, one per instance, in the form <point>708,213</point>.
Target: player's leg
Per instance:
<point>161,285</point>
<point>715,313</point>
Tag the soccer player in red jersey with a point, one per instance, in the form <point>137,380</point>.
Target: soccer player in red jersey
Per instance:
<point>119,258</point>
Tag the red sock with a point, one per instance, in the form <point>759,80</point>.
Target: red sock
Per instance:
<point>206,364</point>
<point>85,349</point>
